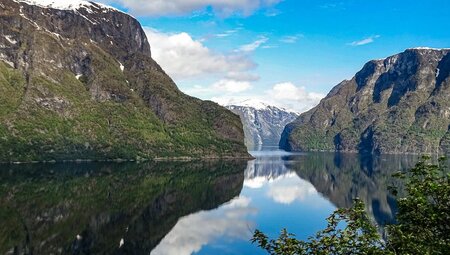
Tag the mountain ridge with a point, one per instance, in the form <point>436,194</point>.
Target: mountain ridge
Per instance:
<point>81,84</point>
<point>399,104</point>
<point>263,123</point>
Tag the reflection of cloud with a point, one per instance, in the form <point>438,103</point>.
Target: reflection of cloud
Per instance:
<point>196,230</point>
<point>281,184</point>
<point>260,172</point>
<point>255,183</point>
<point>288,194</point>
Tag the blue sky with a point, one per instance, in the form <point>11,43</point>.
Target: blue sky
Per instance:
<point>285,52</point>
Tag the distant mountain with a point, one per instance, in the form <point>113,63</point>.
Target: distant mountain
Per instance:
<point>77,81</point>
<point>400,104</point>
<point>263,124</point>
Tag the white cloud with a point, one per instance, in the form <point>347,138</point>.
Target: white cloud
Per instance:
<point>365,41</point>
<point>284,95</point>
<point>192,232</point>
<point>231,86</point>
<point>291,38</point>
<point>183,7</point>
<point>254,45</point>
<point>227,33</point>
<point>183,57</point>
<point>242,76</point>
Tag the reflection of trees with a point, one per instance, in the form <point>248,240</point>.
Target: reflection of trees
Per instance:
<point>343,177</point>
<point>45,207</point>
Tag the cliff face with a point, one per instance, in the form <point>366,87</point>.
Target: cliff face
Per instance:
<point>400,104</point>
<point>263,125</point>
<point>79,82</point>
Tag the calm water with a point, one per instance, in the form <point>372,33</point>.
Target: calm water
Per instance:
<point>184,207</point>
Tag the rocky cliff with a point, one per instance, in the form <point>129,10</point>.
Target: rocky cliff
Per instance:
<point>400,104</point>
<point>263,124</point>
<point>77,81</point>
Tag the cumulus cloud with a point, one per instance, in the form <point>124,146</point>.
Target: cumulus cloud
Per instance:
<point>181,56</point>
<point>192,232</point>
<point>364,41</point>
<point>284,95</point>
<point>183,7</point>
<point>231,86</point>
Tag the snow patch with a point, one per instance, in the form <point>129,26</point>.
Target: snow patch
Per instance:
<point>437,72</point>
<point>253,103</point>
<point>11,64</point>
<point>71,5</point>
<point>121,66</point>
<point>428,48</point>
<point>10,39</point>
<point>31,21</point>
<point>78,76</point>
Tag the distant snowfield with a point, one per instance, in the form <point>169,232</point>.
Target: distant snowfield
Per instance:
<point>256,104</point>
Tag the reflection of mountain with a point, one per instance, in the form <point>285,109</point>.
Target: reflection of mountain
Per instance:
<point>343,177</point>
<point>264,169</point>
<point>90,208</point>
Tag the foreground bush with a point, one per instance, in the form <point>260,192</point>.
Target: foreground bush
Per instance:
<point>423,222</point>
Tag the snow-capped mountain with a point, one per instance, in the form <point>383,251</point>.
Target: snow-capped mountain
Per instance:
<point>263,123</point>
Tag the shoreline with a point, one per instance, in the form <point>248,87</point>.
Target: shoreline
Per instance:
<point>372,154</point>
<point>119,160</point>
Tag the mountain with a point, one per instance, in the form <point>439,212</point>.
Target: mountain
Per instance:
<point>400,104</point>
<point>77,81</point>
<point>263,124</point>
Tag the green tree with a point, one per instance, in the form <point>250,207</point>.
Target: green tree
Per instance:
<point>423,222</point>
<point>424,214</point>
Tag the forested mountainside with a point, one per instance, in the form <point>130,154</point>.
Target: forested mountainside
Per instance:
<point>78,81</point>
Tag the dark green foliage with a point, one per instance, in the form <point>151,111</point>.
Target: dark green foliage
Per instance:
<point>358,237</point>
<point>423,222</point>
<point>424,215</point>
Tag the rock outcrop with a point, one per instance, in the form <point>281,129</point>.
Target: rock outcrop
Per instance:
<point>263,124</point>
<point>400,104</point>
<point>78,81</point>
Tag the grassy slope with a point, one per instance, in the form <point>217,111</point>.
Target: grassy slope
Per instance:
<point>82,128</point>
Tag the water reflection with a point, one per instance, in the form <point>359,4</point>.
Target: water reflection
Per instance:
<point>197,230</point>
<point>344,177</point>
<point>185,207</point>
<point>106,208</point>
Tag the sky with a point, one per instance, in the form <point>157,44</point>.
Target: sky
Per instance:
<point>288,53</point>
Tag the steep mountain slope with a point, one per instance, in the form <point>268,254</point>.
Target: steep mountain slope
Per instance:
<point>400,104</point>
<point>263,124</point>
<point>77,81</point>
